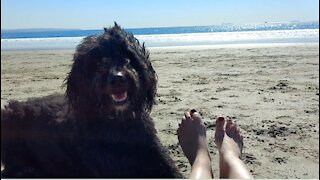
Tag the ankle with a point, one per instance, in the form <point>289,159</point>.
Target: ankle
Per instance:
<point>203,159</point>
<point>202,156</point>
<point>229,156</point>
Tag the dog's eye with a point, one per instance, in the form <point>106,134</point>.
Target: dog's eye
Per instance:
<point>127,62</point>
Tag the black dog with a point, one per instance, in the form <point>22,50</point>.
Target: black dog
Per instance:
<point>102,127</point>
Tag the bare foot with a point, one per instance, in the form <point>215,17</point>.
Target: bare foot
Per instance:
<point>228,138</point>
<point>230,144</point>
<point>192,138</point>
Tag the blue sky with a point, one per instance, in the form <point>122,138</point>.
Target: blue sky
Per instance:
<point>95,14</point>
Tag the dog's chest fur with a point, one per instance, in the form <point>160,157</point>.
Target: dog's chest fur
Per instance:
<point>108,148</point>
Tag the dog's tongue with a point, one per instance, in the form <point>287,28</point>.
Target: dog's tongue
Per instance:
<point>119,97</point>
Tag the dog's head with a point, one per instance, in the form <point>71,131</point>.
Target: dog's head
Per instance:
<point>111,75</point>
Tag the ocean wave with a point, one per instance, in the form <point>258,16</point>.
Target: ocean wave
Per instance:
<point>161,40</point>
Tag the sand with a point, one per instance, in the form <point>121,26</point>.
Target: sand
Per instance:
<point>272,92</point>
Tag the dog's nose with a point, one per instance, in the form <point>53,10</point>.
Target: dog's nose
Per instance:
<point>117,78</point>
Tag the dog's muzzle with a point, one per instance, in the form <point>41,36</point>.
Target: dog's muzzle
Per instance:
<point>119,87</point>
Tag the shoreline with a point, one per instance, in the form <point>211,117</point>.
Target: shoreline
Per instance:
<point>211,46</point>
<point>237,46</point>
<point>271,90</point>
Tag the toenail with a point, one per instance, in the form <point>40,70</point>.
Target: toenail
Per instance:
<point>220,119</point>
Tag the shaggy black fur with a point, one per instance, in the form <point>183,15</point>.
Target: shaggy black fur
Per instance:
<point>101,129</point>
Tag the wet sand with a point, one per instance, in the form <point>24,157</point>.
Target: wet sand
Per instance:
<point>271,91</point>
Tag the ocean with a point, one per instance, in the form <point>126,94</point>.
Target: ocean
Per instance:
<point>223,34</point>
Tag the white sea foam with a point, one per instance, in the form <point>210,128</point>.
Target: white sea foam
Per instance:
<point>40,43</point>
<point>164,40</point>
<point>279,36</point>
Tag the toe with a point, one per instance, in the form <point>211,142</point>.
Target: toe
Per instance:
<point>231,128</point>
<point>183,119</point>
<point>187,116</point>
<point>196,117</point>
<point>220,123</point>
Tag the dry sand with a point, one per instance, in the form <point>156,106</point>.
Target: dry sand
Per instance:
<point>271,91</point>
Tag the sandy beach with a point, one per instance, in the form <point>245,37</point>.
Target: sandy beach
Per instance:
<point>271,91</point>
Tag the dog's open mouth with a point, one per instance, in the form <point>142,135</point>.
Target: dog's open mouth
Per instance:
<point>119,97</point>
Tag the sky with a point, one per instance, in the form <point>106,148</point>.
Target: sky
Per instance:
<point>95,14</point>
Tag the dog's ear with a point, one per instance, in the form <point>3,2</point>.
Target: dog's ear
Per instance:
<point>86,63</point>
<point>81,74</point>
<point>91,62</point>
<point>151,87</point>
<point>148,74</point>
